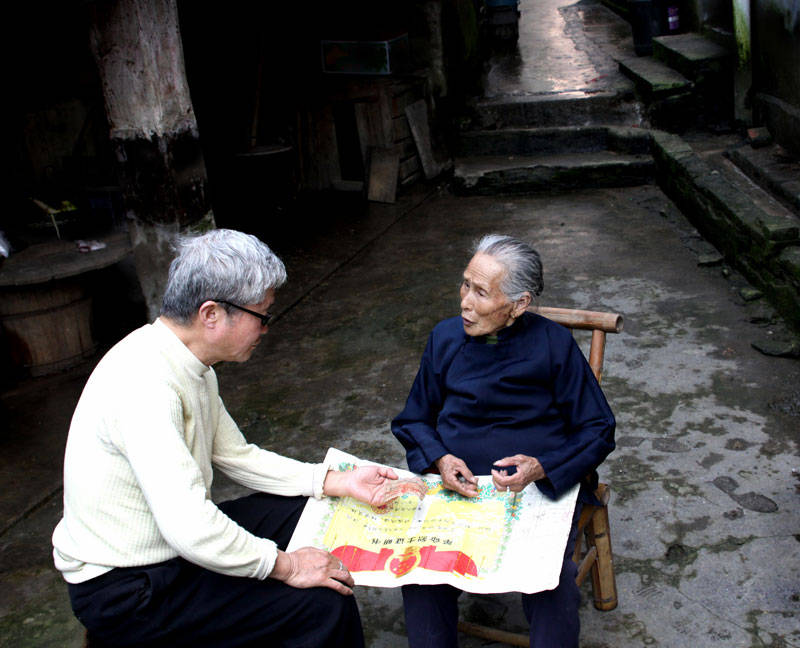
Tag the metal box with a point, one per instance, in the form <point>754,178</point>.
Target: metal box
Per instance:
<point>383,57</point>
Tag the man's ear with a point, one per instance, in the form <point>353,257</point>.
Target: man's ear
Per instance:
<point>209,314</point>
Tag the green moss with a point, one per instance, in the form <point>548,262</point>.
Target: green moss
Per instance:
<point>205,224</point>
<point>741,31</point>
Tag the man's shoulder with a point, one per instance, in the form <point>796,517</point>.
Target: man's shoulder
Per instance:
<point>137,358</point>
<point>136,345</point>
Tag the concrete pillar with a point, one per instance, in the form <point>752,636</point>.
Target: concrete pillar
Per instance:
<point>743,74</point>
<point>138,50</point>
<point>432,11</point>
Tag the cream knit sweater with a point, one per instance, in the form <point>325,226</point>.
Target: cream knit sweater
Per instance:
<point>138,467</point>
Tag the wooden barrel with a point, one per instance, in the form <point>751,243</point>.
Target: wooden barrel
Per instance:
<point>47,326</point>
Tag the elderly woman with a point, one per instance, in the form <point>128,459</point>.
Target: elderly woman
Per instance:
<point>149,558</point>
<point>504,391</point>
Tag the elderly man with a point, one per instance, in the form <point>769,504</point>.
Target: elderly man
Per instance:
<point>501,390</point>
<point>148,557</point>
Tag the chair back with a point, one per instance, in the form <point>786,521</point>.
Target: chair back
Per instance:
<point>599,323</point>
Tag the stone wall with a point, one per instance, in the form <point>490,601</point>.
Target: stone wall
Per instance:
<point>776,69</point>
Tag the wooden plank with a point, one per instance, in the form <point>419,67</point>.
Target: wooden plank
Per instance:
<point>385,103</point>
<point>384,166</point>
<point>409,166</point>
<point>327,148</point>
<point>417,114</point>
<point>404,98</point>
<point>369,126</point>
<point>317,148</point>
<point>409,180</point>
<point>493,634</point>
<point>407,148</point>
<point>400,128</point>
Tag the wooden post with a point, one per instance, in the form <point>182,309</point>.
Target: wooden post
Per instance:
<point>604,584</point>
<point>138,50</point>
<point>597,353</point>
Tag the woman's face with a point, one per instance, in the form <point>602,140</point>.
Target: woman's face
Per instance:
<point>484,307</point>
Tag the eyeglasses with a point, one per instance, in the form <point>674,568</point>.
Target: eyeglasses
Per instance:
<point>265,318</point>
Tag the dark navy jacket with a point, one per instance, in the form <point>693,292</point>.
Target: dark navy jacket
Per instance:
<point>531,393</point>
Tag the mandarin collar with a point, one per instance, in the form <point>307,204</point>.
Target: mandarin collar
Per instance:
<point>520,324</point>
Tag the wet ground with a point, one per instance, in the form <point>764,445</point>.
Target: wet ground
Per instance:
<point>704,513</point>
<point>580,64</point>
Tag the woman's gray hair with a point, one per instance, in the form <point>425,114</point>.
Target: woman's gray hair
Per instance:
<point>522,263</point>
<point>219,265</point>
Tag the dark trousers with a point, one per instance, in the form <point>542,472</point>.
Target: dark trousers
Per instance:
<point>432,610</point>
<point>177,603</point>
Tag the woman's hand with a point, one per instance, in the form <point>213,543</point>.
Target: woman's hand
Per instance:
<point>456,476</point>
<point>528,470</point>
<point>375,485</point>
<point>310,567</point>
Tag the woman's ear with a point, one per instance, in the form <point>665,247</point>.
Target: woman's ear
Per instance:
<point>521,305</point>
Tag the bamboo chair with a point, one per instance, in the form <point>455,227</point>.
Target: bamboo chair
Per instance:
<point>593,546</point>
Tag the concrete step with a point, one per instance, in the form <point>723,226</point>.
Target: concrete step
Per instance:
<point>727,193</point>
<point>618,108</point>
<point>773,170</point>
<point>550,172</point>
<point>668,95</point>
<point>653,78</point>
<point>720,35</point>
<point>708,66</point>
<point>692,54</point>
<point>753,233</point>
<point>540,141</point>
<point>781,218</point>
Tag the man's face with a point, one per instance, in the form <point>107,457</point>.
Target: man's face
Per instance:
<point>484,308</point>
<point>241,332</point>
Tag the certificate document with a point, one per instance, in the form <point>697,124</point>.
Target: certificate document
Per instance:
<point>495,542</point>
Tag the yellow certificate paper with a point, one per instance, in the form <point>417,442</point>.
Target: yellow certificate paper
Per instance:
<point>495,542</point>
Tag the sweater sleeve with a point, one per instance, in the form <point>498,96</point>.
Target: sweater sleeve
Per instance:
<point>172,484</point>
<point>415,426</point>
<point>589,422</point>
<point>259,469</point>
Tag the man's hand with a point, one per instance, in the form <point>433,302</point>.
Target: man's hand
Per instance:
<point>456,476</point>
<point>375,485</point>
<point>310,567</point>
<point>528,470</point>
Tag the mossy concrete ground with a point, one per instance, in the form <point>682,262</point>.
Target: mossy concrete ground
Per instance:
<point>704,513</point>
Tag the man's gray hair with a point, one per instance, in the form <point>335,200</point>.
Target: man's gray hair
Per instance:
<point>522,263</point>
<point>219,265</point>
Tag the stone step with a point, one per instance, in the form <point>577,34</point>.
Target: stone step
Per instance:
<point>720,35</point>
<point>567,139</point>
<point>692,54</point>
<point>782,220</point>
<point>727,194</point>
<point>653,78</point>
<point>550,172</point>
<point>562,109</point>
<point>668,95</point>
<point>708,66</point>
<point>771,169</point>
